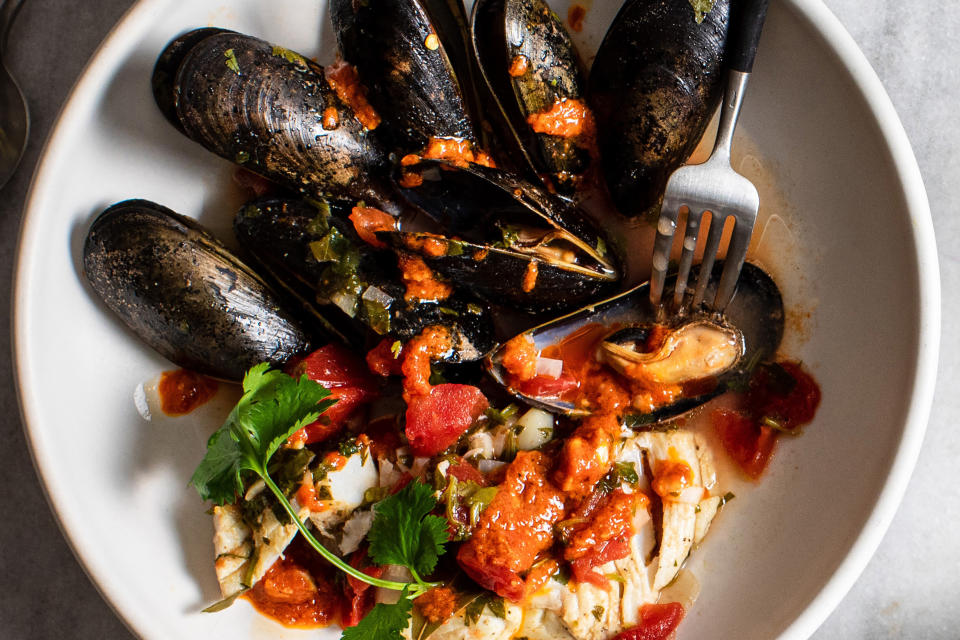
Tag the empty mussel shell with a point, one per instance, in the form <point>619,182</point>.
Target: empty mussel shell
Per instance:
<point>184,294</point>
<point>749,331</point>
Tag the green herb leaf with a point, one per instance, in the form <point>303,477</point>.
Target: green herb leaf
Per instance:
<point>485,600</point>
<point>289,56</point>
<point>384,622</point>
<point>232,61</point>
<point>701,8</point>
<point>272,408</point>
<point>627,472</point>
<point>403,533</point>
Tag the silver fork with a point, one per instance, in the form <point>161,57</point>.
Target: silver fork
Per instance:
<point>714,186</point>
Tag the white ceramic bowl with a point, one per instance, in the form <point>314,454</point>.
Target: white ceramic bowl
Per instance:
<point>862,284</point>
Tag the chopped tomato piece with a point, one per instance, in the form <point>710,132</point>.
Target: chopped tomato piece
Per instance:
<point>785,393</point>
<point>746,441</point>
<point>349,382</point>
<point>547,387</point>
<point>359,596</point>
<point>657,622</point>
<point>583,567</point>
<point>382,360</point>
<point>435,421</point>
<point>466,472</point>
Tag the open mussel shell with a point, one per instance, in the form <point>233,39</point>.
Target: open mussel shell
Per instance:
<point>184,294</point>
<point>756,313</point>
<point>529,63</point>
<point>654,86</point>
<point>411,55</point>
<point>507,240</point>
<point>312,251</point>
<point>271,111</point>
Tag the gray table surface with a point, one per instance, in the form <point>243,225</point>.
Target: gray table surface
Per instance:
<point>910,589</point>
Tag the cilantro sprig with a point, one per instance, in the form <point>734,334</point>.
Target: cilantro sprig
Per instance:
<point>273,407</point>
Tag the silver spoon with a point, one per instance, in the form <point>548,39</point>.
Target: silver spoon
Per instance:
<point>14,116</point>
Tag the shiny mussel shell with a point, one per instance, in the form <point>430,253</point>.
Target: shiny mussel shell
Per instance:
<point>271,111</point>
<point>312,250</point>
<point>756,314</point>
<point>654,86</point>
<point>412,57</point>
<point>184,294</point>
<point>529,63</point>
<point>515,244</point>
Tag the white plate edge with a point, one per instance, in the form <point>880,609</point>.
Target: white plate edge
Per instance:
<point>851,58</point>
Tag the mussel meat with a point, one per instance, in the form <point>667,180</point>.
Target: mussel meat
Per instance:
<point>654,86</point>
<point>694,357</point>
<point>184,294</point>
<point>312,250</point>
<point>511,242</point>
<point>529,63</point>
<point>271,111</point>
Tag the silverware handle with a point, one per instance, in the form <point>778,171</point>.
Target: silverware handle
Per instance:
<point>746,20</point>
<point>8,13</point>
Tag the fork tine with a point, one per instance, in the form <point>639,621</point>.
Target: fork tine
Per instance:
<point>666,227</point>
<point>714,236</point>
<point>736,254</point>
<point>686,256</point>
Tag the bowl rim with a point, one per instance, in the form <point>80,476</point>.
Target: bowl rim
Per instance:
<point>843,47</point>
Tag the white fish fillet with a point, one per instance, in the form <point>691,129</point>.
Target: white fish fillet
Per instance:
<point>487,627</point>
<point>236,543</point>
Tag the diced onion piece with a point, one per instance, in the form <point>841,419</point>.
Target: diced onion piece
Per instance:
<point>549,367</point>
<point>536,429</point>
<point>486,466</point>
<point>375,294</point>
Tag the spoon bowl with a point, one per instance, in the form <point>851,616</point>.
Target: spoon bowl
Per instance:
<point>756,311</point>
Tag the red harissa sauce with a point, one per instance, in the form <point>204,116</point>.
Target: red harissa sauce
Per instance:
<point>182,391</point>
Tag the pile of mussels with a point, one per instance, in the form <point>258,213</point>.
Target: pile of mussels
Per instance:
<point>466,140</point>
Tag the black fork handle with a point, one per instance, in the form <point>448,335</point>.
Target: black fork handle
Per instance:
<point>746,23</point>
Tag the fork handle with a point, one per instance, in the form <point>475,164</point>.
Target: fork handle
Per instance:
<point>746,19</point>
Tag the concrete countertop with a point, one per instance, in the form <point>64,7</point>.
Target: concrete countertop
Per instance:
<point>910,589</point>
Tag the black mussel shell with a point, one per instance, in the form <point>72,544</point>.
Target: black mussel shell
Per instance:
<point>271,111</point>
<point>756,311</point>
<point>311,249</point>
<point>507,240</point>
<point>184,294</point>
<point>530,65</point>
<point>165,71</point>
<point>654,86</point>
<point>412,57</point>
